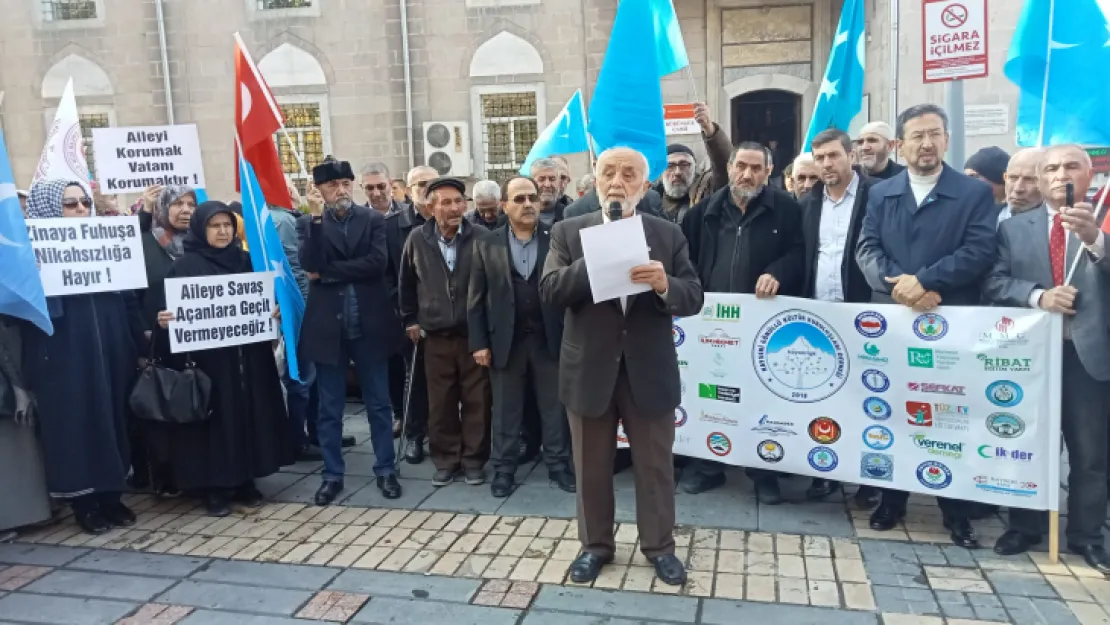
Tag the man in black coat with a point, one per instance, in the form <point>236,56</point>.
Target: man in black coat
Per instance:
<point>398,226</point>
<point>746,238</point>
<point>517,337</point>
<point>832,215</point>
<point>349,316</point>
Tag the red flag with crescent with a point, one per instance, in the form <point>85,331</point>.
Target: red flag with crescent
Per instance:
<point>257,118</point>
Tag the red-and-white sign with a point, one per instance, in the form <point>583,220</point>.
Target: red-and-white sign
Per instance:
<point>954,36</point>
<point>679,119</point>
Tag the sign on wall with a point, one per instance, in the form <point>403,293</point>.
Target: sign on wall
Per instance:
<point>221,311</point>
<point>129,160</point>
<point>954,37</point>
<point>679,119</point>
<point>88,255</point>
<point>961,402</point>
<point>986,119</point>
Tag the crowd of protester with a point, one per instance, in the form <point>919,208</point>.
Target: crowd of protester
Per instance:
<point>436,305</point>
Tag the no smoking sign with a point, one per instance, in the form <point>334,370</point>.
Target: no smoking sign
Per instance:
<point>954,38</point>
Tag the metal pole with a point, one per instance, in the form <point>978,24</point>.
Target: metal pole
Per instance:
<point>165,60</point>
<point>894,59</point>
<point>1047,69</point>
<point>408,79</point>
<point>954,105</point>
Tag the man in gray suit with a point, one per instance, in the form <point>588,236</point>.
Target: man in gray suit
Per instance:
<point>618,364</point>
<point>1036,250</point>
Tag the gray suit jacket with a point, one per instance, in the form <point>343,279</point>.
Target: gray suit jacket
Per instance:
<point>1023,266</point>
<point>598,337</point>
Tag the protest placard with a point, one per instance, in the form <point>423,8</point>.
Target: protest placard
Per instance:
<point>221,311</point>
<point>88,255</point>
<point>129,160</point>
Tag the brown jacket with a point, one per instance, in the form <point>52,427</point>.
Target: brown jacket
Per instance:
<point>598,337</point>
<point>432,296</point>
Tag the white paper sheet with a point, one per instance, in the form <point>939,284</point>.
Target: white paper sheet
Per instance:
<point>611,251</point>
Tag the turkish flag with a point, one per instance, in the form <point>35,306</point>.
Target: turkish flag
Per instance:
<point>257,118</point>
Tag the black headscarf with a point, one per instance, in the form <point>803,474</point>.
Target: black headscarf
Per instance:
<point>200,258</point>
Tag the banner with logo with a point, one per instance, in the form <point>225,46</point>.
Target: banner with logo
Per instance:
<point>960,402</point>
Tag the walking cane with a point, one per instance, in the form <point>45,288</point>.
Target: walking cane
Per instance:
<point>405,414</point>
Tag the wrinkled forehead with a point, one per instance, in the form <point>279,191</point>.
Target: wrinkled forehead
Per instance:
<point>1067,157</point>
<point>751,158</point>
<point>622,161</point>
<point>680,157</point>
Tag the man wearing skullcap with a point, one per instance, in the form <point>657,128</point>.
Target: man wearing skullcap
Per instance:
<point>876,142</point>
<point>989,165</point>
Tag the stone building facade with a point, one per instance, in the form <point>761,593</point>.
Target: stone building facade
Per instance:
<point>491,71</point>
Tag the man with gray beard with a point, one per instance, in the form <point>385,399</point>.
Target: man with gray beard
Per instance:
<point>681,186</point>
<point>746,238</point>
<point>548,176</point>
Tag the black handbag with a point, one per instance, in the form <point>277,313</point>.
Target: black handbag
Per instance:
<point>169,396</point>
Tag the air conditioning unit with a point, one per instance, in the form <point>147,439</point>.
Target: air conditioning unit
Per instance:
<point>447,148</point>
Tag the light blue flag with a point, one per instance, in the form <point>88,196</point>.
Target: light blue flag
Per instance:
<point>841,95</point>
<point>21,293</point>
<point>627,107</point>
<point>1074,110</point>
<point>267,254</point>
<point>202,196</point>
<point>566,134</point>
<point>670,49</point>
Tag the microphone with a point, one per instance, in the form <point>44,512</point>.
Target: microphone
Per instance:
<point>616,211</point>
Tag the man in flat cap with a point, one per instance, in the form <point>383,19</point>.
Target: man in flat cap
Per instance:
<point>435,279</point>
<point>876,142</point>
<point>989,165</point>
<point>348,317</point>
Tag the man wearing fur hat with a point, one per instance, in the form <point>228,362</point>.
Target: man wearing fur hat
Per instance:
<point>349,317</point>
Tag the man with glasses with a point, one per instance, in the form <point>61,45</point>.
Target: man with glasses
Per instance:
<point>435,278</point>
<point>398,226</point>
<point>379,189</point>
<point>681,186</point>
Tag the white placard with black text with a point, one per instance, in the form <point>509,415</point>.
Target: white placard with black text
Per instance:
<point>88,255</point>
<point>129,160</point>
<point>221,311</point>
<point>960,402</point>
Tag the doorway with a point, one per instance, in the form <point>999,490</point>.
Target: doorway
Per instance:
<point>766,116</point>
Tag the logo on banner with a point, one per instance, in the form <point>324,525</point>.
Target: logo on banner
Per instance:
<point>824,430</point>
<point>871,355</point>
<point>719,444</point>
<point>930,327</point>
<point>720,366</point>
<point>682,364</point>
<point>719,419</point>
<point>1005,486</point>
<point>870,324</point>
<point>770,451</point>
<point>1005,425</point>
<point>721,312</point>
<point>878,437</point>
<point>719,338</point>
<point>823,459</point>
<point>800,357</point>
<point>875,380</point>
<point>679,335</point>
<point>877,408</point>
<point>680,417</point>
<point>940,389</point>
<point>1001,453</point>
<point>877,467</point>
<point>920,414</point>
<point>1005,364</point>
<point>926,358</point>
<point>936,447</point>
<point>767,425</point>
<point>934,475</point>
<point>1003,334</point>
<point>1005,393</point>
<point>730,394</point>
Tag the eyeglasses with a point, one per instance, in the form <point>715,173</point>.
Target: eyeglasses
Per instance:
<point>375,187</point>
<point>520,199</point>
<point>71,202</point>
<point>680,165</point>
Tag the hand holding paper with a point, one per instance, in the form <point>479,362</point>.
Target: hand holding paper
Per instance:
<point>611,252</point>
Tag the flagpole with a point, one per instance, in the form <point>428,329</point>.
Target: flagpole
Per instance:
<point>693,84</point>
<point>1047,70</point>
<point>585,124</point>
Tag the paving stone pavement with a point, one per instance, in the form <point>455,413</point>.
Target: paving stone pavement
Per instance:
<point>457,556</point>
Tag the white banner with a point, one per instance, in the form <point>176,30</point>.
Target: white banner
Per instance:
<point>88,255</point>
<point>961,403</point>
<point>63,155</point>
<point>221,311</point>
<point>129,160</point>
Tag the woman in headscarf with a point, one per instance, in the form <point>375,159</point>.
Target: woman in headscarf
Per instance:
<point>81,378</point>
<point>164,222</point>
<point>246,436</point>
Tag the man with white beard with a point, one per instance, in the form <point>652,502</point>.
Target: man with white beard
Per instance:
<point>876,142</point>
<point>547,174</point>
<point>681,186</point>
